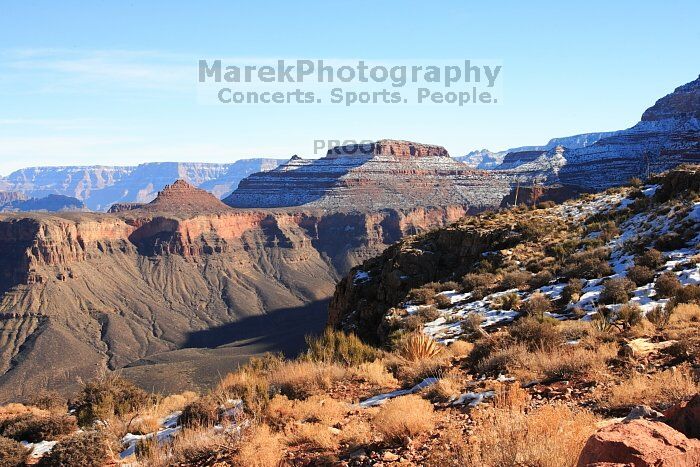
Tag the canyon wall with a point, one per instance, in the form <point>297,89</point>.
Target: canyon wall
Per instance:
<point>86,292</point>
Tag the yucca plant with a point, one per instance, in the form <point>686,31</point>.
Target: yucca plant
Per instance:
<point>418,346</point>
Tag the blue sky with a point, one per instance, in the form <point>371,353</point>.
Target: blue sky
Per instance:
<point>114,82</point>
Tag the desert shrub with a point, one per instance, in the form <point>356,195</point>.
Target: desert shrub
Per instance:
<point>640,275</point>
<point>667,285</point>
<point>508,301</point>
<point>609,230</point>
<point>447,286</point>
<point>34,429</point>
<point>49,400</point>
<point>541,279</point>
<point>106,396</point>
<point>87,449</point>
<point>302,379</point>
<point>442,301</point>
<point>475,281</point>
<point>418,346</point>
<point>486,346</point>
<point>536,334</point>
<point>501,360</point>
<point>537,305</point>
<point>572,292</point>
<point>590,264</point>
<point>471,325</point>
<point>652,259</point>
<point>531,229</point>
<point>413,323</point>
<point>404,417</point>
<point>428,313</point>
<point>338,347</point>
<point>12,453</point>
<point>660,316</point>
<point>563,363</point>
<point>200,413</point>
<point>423,295</point>
<point>629,315</point>
<point>515,280</point>
<point>659,391</point>
<point>617,290</point>
<point>669,241</point>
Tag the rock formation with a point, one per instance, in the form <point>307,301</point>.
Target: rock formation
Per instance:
<point>14,201</point>
<point>387,174</point>
<point>668,135</point>
<point>640,443</point>
<point>99,187</point>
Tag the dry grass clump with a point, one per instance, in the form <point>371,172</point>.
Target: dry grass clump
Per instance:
<point>338,347</point>
<point>403,417</point>
<point>315,409</point>
<point>460,348</point>
<point>252,387</point>
<point>355,433</point>
<point>260,447</point>
<point>374,373</point>
<point>660,391</point>
<point>685,313</point>
<point>12,453</point>
<point>301,379</point>
<point>314,436</point>
<point>447,388</point>
<point>87,449</point>
<point>549,436</point>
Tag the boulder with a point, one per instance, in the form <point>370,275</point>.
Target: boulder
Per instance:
<point>685,417</point>
<point>640,443</point>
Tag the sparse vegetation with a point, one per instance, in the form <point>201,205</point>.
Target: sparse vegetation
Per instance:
<point>337,347</point>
